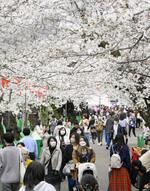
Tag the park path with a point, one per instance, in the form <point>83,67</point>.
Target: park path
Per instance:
<point>102,163</point>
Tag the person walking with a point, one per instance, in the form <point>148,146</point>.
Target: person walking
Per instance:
<point>92,127</point>
<point>122,126</point>
<point>115,128</point>
<point>52,160</point>
<point>34,179</point>
<point>99,129</point>
<point>132,124</point>
<point>53,124</point>
<point>9,164</point>
<point>86,129</point>
<point>30,144</point>
<point>109,130</point>
<point>83,153</point>
<point>120,176</point>
<point>74,144</point>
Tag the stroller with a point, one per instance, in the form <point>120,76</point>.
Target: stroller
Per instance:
<point>84,169</point>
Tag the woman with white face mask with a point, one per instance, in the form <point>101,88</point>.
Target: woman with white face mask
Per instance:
<point>83,153</point>
<point>74,144</point>
<point>52,160</point>
<point>61,138</point>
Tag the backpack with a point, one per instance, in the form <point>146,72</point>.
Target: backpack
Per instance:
<point>99,126</point>
<point>122,130</point>
<point>132,122</point>
<point>115,160</point>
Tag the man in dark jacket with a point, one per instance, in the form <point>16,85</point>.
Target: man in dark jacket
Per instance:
<point>109,130</point>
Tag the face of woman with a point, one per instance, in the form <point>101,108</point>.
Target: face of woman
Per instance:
<point>79,131</point>
<point>19,146</point>
<point>52,143</point>
<point>82,142</point>
<point>62,132</point>
<point>72,139</point>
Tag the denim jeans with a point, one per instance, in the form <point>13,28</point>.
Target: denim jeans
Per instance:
<point>108,138</point>
<point>104,132</point>
<point>88,136</point>
<point>71,183</point>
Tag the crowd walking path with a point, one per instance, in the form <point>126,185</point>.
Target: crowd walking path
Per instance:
<point>102,163</point>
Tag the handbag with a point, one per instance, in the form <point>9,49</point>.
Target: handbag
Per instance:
<point>21,168</point>
<point>68,168</point>
<point>53,177</point>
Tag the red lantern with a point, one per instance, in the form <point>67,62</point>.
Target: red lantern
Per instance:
<point>4,83</point>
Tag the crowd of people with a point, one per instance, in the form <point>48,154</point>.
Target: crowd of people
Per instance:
<point>67,154</point>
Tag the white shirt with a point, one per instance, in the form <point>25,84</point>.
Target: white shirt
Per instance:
<point>115,130</point>
<point>42,186</point>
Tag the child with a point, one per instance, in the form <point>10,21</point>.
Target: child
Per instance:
<point>88,182</point>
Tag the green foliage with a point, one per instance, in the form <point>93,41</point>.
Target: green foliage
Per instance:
<point>43,115</point>
<point>57,112</point>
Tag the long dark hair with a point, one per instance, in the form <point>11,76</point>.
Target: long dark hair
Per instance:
<point>33,175</point>
<point>77,137</point>
<point>119,141</point>
<point>88,182</point>
<point>49,139</point>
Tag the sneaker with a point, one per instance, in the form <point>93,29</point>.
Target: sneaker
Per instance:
<point>107,147</point>
<point>99,144</point>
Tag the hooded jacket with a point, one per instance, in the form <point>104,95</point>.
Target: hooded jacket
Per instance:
<point>42,186</point>
<point>9,164</point>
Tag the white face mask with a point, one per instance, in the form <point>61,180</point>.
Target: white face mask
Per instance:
<point>82,143</point>
<point>53,144</point>
<point>84,153</point>
<point>115,123</point>
<point>72,140</point>
<point>79,132</point>
<point>62,132</point>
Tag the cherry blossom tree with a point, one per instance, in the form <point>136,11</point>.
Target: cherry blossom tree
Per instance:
<point>73,46</point>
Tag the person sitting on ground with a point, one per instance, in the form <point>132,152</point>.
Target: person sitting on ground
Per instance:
<point>34,179</point>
